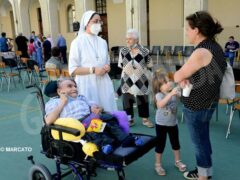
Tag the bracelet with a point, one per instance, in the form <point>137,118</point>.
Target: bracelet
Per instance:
<point>91,70</point>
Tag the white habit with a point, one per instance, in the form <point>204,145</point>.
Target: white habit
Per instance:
<point>91,51</point>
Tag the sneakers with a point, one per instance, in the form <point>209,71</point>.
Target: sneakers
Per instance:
<point>138,141</point>
<point>159,170</point>
<point>193,175</point>
<point>147,122</point>
<point>181,167</point>
<point>107,149</point>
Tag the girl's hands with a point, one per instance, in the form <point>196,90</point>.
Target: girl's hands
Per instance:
<point>175,91</point>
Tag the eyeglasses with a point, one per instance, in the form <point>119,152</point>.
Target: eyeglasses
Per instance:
<point>97,21</point>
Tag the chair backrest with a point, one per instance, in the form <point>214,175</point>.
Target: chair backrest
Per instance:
<point>177,50</point>
<point>167,50</point>
<point>156,50</point>
<point>65,73</point>
<point>11,63</point>
<point>115,50</point>
<point>2,65</point>
<point>237,86</point>
<point>188,50</point>
<point>53,73</point>
<point>115,72</point>
<point>18,53</point>
<point>31,63</point>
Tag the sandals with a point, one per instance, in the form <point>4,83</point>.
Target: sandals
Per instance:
<point>147,122</point>
<point>181,167</point>
<point>160,171</point>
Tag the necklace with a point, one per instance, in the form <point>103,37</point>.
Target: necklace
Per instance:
<point>94,45</point>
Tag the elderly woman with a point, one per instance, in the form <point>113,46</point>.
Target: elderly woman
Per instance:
<point>89,63</point>
<point>204,70</point>
<point>135,63</point>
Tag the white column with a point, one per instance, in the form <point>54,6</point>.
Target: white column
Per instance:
<point>45,16</point>
<point>83,5</point>
<point>190,7</point>
<point>17,22</point>
<point>136,17</point>
<point>24,17</point>
<point>53,19</point>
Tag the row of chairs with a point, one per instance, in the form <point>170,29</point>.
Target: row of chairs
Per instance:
<point>12,67</point>
<point>158,51</point>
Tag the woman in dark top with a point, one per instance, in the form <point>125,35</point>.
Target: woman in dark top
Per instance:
<point>204,70</point>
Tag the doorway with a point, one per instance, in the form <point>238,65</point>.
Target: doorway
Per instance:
<point>39,16</point>
<point>101,9</point>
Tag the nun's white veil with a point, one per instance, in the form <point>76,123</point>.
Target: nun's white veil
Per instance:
<point>84,21</point>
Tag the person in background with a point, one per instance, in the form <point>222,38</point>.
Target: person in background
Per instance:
<point>21,42</point>
<point>89,63</point>
<point>231,49</point>
<point>165,99</point>
<point>3,43</point>
<point>38,47</point>
<point>32,51</point>
<point>54,61</point>
<point>32,36</point>
<point>61,44</point>
<point>46,49</point>
<point>135,61</point>
<point>49,38</point>
<point>204,70</point>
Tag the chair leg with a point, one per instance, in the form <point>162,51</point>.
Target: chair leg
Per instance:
<point>9,82</point>
<point>217,113</point>
<point>230,121</point>
<point>1,84</point>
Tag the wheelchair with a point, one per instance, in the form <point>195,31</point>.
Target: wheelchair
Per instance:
<point>70,154</point>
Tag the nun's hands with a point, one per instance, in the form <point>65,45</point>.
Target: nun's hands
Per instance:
<point>100,71</point>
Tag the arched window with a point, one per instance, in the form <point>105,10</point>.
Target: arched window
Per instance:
<point>71,17</point>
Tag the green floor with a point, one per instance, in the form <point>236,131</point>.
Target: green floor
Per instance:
<point>20,123</point>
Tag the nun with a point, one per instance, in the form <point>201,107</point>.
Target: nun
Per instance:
<point>89,63</point>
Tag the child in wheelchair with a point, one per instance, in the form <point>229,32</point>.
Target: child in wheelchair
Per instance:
<point>71,105</point>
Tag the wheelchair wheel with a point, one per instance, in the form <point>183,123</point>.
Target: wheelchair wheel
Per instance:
<point>39,172</point>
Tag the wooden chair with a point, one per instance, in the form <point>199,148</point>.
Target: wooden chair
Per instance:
<point>65,73</point>
<point>9,76</point>
<point>41,81</point>
<point>24,62</point>
<point>53,73</point>
<point>235,106</point>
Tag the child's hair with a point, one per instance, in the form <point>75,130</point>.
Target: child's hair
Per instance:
<point>159,78</point>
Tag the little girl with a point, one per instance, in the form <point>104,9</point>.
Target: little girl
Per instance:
<point>165,97</point>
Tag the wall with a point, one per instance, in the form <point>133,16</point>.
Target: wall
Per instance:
<point>34,17</point>
<point>69,36</point>
<point>227,12</point>
<point>116,23</point>
<point>166,22</point>
<point>6,25</point>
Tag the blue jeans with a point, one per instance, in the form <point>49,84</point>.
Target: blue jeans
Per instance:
<point>198,125</point>
<point>231,56</point>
